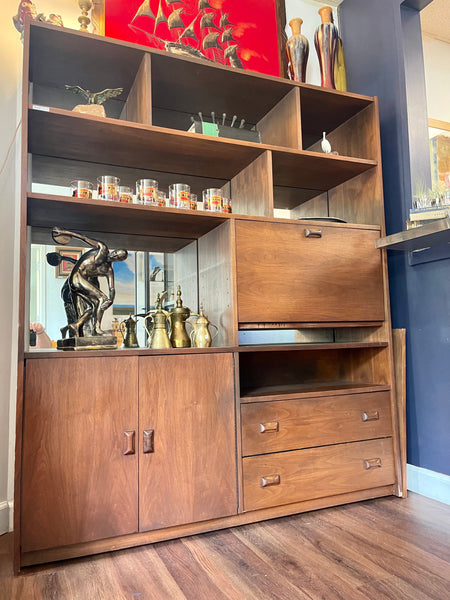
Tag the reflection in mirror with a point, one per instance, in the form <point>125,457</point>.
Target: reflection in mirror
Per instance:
<point>138,280</point>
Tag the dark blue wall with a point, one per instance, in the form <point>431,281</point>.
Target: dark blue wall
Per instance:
<point>383,52</point>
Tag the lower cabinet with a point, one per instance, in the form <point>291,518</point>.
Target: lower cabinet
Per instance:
<point>78,484</point>
<point>117,445</point>
<point>188,473</point>
<point>309,448</point>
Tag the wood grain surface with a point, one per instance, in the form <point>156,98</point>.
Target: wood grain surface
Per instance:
<point>382,549</point>
<point>189,403</point>
<point>283,275</point>
<point>77,485</point>
<point>314,422</point>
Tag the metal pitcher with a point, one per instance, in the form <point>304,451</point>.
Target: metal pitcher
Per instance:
<point>200,334</point>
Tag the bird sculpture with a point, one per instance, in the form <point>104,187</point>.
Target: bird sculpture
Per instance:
<point>325,144</point>
<point>95,97</point>
<point>27,10</point>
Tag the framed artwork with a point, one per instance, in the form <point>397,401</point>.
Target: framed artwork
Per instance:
<point>248,35</point>
<point>65,266</point>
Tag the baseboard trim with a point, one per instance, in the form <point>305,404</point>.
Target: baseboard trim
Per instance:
<point>5,517</point>
<point>428,483</point>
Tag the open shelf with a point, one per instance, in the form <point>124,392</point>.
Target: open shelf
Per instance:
<point>427,236</point>
<point>146,147</point>
<point>131,219</point>
<point>59,56</point>
<point>324,388</point>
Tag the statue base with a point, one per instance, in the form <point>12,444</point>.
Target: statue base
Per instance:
<point>97,110</point>
<point>94,342</point>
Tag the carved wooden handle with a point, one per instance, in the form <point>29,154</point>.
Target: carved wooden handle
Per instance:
<point>313,233</point>
<point>374,416</point>
<point>129,437</point>
<point>269,427</point>
<point>148,441</point>
<point>270,480</point>
<point>372,463</point>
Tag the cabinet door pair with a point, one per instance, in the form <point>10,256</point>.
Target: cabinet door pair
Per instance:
<point>89,471</point>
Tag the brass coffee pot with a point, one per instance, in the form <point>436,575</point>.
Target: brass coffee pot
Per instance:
<point>200,334</point>
<point>128,329</point>
<point>157,333</point>
<point>178,315</point>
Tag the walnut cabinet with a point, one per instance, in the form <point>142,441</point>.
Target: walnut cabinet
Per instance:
<point>294,407</point>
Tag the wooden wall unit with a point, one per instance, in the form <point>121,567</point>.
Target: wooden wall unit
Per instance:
<point>126,447</point>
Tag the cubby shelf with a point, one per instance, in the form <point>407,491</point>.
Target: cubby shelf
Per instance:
<point>58,132</point>
<point>271,393</point>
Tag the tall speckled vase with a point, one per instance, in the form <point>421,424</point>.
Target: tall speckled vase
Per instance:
<point>297,50</point>
<point>326,41</point>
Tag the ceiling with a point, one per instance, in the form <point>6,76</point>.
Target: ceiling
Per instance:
<point>435,20</point>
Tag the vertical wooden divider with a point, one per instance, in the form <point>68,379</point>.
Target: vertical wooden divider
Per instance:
<point>138,107</point>
<point>185,275</point>
<point>217,283</point>
<point>252,188</point>
<point>281,125</point>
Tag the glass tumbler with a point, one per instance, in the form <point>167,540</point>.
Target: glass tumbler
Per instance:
<point>180,195</point>
<point>147,191</point>
<point>81,189</point>
<point>212,199</point>
<point>108,188</point>
<point>125,194</point>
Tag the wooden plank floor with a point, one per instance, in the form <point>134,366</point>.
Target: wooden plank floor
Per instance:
<point>383,549</point>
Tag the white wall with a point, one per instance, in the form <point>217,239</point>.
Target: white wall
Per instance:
<point>10,84</point>
<point>436,55</point>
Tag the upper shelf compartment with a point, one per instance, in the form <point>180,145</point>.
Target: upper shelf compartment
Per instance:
<point>91,139</point>
<point>178,87</point>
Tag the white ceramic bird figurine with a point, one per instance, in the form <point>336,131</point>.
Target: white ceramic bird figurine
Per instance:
<point>325,144</point>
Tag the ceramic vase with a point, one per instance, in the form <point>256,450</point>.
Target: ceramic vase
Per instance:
<point>326,42</point>
<point>297,50</point>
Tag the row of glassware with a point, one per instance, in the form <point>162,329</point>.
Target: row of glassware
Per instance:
<point>148,193</point>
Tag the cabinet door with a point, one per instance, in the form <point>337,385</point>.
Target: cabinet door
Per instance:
<point>189,473</point>
<point>286,275</point>
<point>78,483</point>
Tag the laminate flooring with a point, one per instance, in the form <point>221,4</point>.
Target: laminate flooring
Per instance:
<point>384,549</point>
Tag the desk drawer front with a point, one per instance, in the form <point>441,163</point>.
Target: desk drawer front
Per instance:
<point>293,424</point>
<point>276,479</point>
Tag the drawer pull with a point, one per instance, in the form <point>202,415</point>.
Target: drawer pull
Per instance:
<point>271,427</point>
<point>374,416</point>
<point>129,442</point>
<point>313,233</point>
<point>270,480</point>
<point>372,463</point>
<point>148,441</point>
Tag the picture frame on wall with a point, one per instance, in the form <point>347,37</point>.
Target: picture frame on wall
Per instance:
<point>248,35</point>
<point>65,266</point>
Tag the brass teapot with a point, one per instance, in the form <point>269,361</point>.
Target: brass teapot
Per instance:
<point>157,332</point>
<point>128,329</point>
<point>178,316</point>
<point>200,334</point>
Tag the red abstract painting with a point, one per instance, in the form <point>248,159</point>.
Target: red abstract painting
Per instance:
<point>230,32</point>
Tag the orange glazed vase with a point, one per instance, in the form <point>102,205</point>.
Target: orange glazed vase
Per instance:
<point>297,50</point>
<point>326,41</point>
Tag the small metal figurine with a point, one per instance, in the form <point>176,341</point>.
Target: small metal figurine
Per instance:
<point>84,301</point>
<point>94,99</point>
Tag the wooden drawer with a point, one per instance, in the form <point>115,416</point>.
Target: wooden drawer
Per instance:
<point>285,276</point>
<point>293,424</point>
<point>275,479</point>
